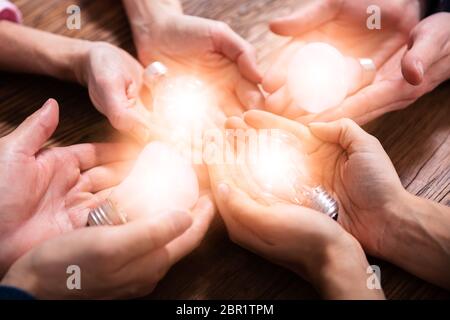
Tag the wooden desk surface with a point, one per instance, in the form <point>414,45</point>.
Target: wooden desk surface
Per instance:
<point>416,139</point>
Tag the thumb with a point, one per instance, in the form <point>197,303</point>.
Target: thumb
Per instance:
<point>128,117</point>
<point>36,129</point>
<point>422,52</point>
<point>305,19</point>
<point>235,48</point>
<point>141,236</point>
<point>344,132</point>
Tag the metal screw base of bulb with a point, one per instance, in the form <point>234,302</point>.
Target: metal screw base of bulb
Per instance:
<point>324,202</point>
<point>106,214</point>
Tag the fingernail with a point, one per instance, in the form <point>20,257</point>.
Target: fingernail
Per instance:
<point>223,190</point>
<point>153,72</point>
<point>46,108</point>
<point>48,104</point>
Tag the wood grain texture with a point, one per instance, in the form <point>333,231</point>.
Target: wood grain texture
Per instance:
<point>416,139</point>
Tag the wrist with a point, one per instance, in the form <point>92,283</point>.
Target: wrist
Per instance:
<point>149,21</point>
<point>149,17</point>
<point>396,215</point>
<point>80,60</point>
<point>342,272</point>
<point>83,63</point>
<point>21,280</point>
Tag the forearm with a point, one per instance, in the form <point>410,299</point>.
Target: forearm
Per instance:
<point>34,51</point>
<point>420,241</point>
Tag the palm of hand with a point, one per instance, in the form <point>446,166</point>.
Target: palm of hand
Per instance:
<point>48,182</point>
<point>349,32</point>
<point>346,30</point>
<point>189,46</point>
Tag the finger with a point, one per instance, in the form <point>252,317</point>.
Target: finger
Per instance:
<point>235,123</point>
<point>378,96</point>
<point>118,101</point>
<point>31,134</point>
<point>104,177</point>
<point>344,132</point>
<point>243,209</point>
<point>90,155</point>
<point>238,50</point>
<point>292,111</point>
<point>249,95</point>
<point>202,215</point>
<point>308,18</point>
<point>236,134</point>
<point>139,237</point>
<point>132,121</point>
<point>360,73</point>
<point>423,51</point>
<point>265,120</point>
<point>278,101</point>
<point>275,77</point>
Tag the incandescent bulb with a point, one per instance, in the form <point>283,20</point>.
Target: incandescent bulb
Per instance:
<point>281,168</point>
<point>181,103</point>
<point>160,180</point>
<point>318,78</point>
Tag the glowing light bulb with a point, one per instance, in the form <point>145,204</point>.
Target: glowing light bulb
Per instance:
<point>161,180</point>
<point>318,78</point>
<point>281,169</point>
<point>182,103</point>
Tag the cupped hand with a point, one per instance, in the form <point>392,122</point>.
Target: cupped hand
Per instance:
<point>114,80</point>
<point>47,192</point>
<point>352,165</point>
<point>406,76</point>
<point>208,49</point>
<point>125,261</point>
<point>342,24</point>
<point>301,239</point>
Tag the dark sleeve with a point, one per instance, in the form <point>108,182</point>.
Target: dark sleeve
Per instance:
<point>11,293</point>
<point>435,6</point>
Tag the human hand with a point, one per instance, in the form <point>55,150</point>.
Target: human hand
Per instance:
<point>406,76</point>
<point>353,166</point>
<point>114,79</point>
<point>123,261</point>
<point>207,49</point>
<point>343,25</point>
<point>304,240</point>
<point>428,54</point>
<point>47,192</point>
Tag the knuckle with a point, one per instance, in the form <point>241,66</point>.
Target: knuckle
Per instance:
<point>347,123</point>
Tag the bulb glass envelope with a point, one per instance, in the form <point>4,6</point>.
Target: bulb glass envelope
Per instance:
<point>182,104</point>
<point>161,180</point>
<point>271,165</point>
<point>320,77</point>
